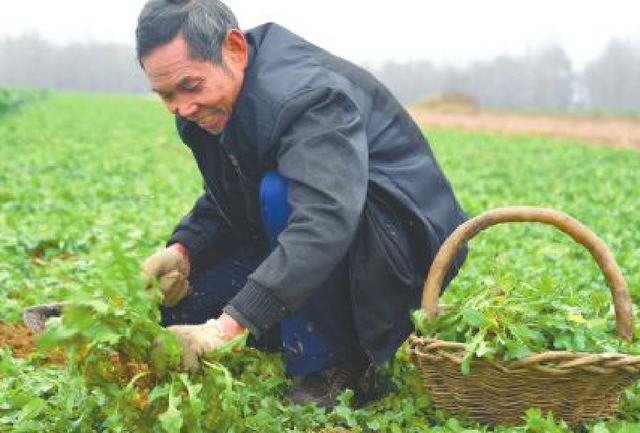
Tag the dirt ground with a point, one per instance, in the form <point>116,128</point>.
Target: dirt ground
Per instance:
<point>21,341</point>
<point>620,131</point>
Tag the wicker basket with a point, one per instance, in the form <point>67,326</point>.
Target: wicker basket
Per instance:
<point>573,386</point>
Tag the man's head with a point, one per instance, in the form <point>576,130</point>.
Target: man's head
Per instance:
<point>194,56</point>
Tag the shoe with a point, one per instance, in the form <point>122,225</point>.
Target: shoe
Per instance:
<point>324,387</point>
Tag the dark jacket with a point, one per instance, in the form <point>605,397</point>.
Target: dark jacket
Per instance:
<point>354,161</point>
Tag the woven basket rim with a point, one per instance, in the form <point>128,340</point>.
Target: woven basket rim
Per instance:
<point>551,361</point>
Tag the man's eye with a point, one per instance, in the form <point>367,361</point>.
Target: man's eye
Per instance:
<point>192,87</point>
<point>166,97</point>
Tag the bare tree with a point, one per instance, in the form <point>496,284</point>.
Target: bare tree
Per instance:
<point>540,79</point>
<point>30,61</point>
<point>612,80</point>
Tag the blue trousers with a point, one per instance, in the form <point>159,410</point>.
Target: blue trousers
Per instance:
<point>318,336</point>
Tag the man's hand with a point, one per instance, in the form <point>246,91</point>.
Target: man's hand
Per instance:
<point>170,267</point>
<point>196,340</point>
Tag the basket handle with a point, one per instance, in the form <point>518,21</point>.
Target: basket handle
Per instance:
<point>581,234</point>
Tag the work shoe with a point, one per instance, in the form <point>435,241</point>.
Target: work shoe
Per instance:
<point>324,387</point>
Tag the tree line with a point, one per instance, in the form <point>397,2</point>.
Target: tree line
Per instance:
<point>30,61</point>
<point>541,79</point>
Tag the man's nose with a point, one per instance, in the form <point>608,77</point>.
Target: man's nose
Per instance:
<point>183,109</point>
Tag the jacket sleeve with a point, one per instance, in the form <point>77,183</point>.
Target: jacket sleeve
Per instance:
<point>202,229</point>
<point>323,153</point>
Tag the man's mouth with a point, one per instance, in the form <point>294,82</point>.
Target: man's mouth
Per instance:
<point>210,120</point>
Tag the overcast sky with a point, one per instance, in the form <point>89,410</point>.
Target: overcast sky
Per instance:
<point>454,31</point>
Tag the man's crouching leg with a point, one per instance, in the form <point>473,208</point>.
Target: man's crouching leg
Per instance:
<point>321,349</point>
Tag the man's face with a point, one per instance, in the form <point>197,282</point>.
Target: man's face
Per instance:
<point>198,90</point>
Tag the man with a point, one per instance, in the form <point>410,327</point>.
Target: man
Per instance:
<point>322,208</point>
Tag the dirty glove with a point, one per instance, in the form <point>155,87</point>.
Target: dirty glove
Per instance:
<point>196,340</point>
<point>170,267</point>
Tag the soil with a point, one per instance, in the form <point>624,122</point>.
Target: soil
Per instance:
<point>21,341</point>
<point>618,131</point>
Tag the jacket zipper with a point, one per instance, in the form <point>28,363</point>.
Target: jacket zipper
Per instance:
<point>213,197</point>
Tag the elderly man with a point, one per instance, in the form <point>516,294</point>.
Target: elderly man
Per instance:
<point>323,205</point>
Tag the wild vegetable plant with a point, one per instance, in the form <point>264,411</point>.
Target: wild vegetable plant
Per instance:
<point>92,184</point>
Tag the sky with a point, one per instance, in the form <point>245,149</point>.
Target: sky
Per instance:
<point>368,31</point>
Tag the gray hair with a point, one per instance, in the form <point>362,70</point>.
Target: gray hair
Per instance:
<point>202,23</point>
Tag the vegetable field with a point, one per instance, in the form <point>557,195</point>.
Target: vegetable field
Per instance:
<point>92,184</point>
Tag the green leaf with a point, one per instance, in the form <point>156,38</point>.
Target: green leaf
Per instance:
<point>475,318</point>
<point>600,428</point>
<point>564,341</point>
<point>32,409</point>
<point>472,347</point>
<point>515,350</point>
<point>373,425</point>
<point>171,419</point>
<point>193,406</point>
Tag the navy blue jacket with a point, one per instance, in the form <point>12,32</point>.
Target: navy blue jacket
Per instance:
<point>354,161</point>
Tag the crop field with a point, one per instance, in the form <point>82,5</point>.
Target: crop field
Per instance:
<point>90,185</point>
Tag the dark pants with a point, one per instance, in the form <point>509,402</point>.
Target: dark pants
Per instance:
<point>318,336</point>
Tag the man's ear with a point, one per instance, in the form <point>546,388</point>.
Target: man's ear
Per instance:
<point>234,48</point>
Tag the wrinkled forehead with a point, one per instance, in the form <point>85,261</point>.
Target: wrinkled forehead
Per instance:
<point>171,63</point>
<point>167,56</point>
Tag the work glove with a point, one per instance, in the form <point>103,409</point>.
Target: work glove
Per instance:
<point>196,340</point>
<point>171,269</point>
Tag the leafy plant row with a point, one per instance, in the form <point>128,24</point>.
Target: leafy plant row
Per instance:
<point>92,184</point>
<point>11,98</point>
